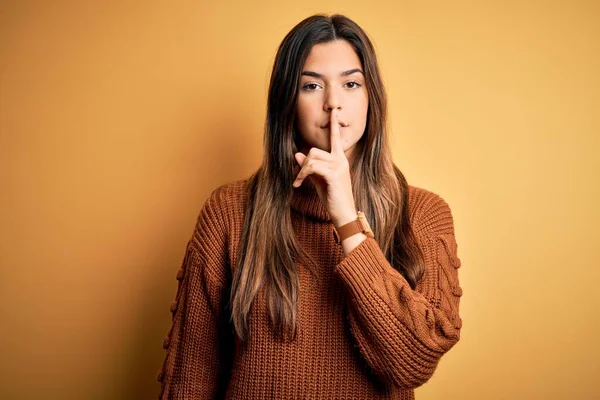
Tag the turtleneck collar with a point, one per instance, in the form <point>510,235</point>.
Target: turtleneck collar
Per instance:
<point>305,201</point>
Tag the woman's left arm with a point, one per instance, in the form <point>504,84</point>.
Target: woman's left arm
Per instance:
<point>402,333</point>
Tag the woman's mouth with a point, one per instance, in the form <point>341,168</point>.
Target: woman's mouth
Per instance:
<point>326,126</point>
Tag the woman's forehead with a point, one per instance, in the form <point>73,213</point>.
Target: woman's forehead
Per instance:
<point>332,59</point>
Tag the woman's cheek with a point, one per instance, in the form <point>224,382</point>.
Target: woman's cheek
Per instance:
<point>303,113</point>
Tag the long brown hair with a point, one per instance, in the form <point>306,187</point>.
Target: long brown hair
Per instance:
<point>268,248</point>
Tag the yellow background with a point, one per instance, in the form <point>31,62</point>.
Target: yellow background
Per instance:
<point>117,119</point>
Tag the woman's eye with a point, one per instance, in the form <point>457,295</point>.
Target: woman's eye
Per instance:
<point>310,86</point>
<point>314,86</point>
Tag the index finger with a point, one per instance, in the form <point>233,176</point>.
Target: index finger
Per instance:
<point>334,133</point>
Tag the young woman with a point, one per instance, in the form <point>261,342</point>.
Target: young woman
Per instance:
<point>324,274</point>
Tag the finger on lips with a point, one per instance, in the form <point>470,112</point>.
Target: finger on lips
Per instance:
<point>336,148</point>
<point>334,129</point>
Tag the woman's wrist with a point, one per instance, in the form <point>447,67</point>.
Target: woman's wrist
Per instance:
<point>345,219</point>
<point>352,242</point>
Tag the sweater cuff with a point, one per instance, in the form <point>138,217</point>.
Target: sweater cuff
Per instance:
<point>363,266</point>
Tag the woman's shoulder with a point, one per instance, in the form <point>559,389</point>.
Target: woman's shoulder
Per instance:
<point>429,211</point>
<point>232,191</point>
<point>221,210</point>
<point>228,197</point>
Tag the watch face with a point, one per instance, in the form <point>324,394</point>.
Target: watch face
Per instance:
<point>363,222</point>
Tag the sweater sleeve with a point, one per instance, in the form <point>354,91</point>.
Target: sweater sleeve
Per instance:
<point>193,366</point>
<point>402,333</point>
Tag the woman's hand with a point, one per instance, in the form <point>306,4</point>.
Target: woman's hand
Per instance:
<point>330,174</point>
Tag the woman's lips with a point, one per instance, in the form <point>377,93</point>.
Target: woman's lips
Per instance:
<point>326,126</point>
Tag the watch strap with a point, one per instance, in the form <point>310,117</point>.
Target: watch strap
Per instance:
<point>360,224</point>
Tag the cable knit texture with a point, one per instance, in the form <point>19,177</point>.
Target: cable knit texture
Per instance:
<point>363,333</point>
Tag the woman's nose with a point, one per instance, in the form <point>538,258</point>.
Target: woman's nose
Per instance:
<point>332,100</point>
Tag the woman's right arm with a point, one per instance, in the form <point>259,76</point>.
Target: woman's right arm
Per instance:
<point>193,366</point>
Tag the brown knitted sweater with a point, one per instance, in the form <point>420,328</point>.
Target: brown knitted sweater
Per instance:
<point>363,333</point>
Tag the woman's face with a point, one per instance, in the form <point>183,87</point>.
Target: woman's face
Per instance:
<point>332,77</point>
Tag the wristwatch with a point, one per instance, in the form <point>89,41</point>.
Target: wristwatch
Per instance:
<point>360,224</point>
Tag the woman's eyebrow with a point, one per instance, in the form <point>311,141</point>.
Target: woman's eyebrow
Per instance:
<point>345,73</point>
